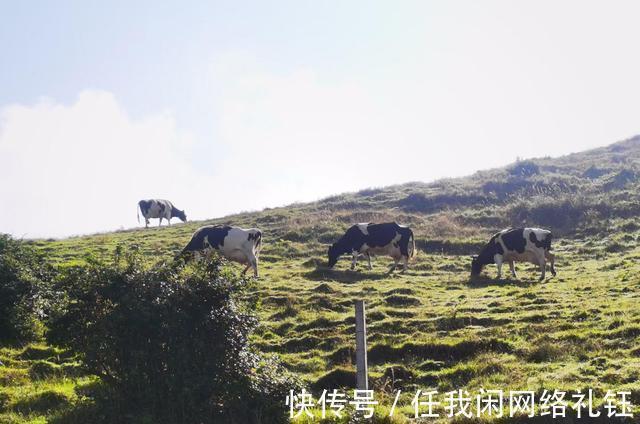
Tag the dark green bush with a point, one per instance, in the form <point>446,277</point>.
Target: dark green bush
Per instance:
<point>171,343</point>
<point>24,291</point>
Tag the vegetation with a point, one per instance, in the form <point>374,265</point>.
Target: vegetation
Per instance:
<point>24,291</point>
<point>167,343</point>
<point>430,327</point>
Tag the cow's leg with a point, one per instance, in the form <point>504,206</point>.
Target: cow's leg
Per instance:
<point>246,268</point>
<point>394,265</point>
<point>160,221</point>
<point>146,222</point>
<point>405,263</point>
<point>369,260</point>
<point>354,261</point>
<point>543,266</point>
<point>252,262</point>
<point>552,260</point>
<point>512,267</point>
<point>169,222</point>
<point>498,260</point>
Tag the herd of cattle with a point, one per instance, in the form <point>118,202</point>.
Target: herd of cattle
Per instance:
<point>361,240</point>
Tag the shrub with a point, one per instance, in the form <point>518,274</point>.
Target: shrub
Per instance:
<point>524,168</point>
<point>24,291</point>
<point>564,214</point>
<point>171,343</point>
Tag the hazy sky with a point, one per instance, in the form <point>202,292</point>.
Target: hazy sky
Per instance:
<point>230,106</point>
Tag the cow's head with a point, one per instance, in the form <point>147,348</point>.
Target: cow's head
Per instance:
<point>476,266</point>
<point>181,215</point>
<point>333,255</point>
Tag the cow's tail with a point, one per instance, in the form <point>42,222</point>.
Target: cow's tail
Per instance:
<point>258,243</point>
<point>412,240</point>
<point>547,242</point>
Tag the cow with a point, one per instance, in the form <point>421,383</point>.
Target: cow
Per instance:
<point>234,243</point>
<point>368,239</point>
<point>158,208</point>
<point>516,244</point>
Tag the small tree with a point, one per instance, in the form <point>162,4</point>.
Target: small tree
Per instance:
<point>172,343</point>
<point>24,291</point>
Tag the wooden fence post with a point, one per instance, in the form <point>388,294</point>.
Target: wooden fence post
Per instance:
<point>362,379</point>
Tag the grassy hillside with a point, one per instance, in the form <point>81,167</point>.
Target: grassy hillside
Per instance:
<point>431,327</point>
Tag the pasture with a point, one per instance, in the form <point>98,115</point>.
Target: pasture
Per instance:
<point>430,327</point>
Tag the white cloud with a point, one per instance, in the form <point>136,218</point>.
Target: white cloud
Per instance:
<point>83,167</point>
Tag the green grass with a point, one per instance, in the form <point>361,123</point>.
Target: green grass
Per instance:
<point>430,327</point>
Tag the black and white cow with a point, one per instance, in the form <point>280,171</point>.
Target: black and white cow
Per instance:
<point>516,245</point>
<point>235,244</point>
<point>375,239</point>
<point>158,208</point>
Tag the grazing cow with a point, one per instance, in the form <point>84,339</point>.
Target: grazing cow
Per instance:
<point>375,239</point>
<point>235,244</point>
<point>516,244</point>
<point>158,208</point>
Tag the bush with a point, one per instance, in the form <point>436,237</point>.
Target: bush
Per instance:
<point>524,168</point>
<point>564,214</point>
<point>171,343</point>
<point>24,291</point>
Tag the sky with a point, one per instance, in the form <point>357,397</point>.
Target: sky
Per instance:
<point>229,106</point>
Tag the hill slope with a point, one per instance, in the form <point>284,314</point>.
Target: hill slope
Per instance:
<point>431,327</point>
